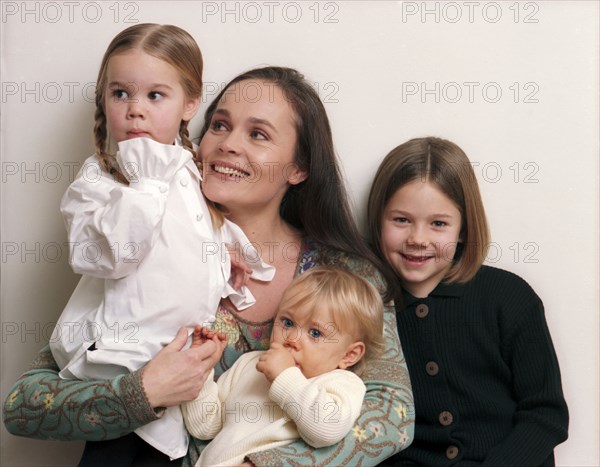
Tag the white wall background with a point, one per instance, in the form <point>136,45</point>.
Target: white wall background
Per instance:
<point>514,83</point>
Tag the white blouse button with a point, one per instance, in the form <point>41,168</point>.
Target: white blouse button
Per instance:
<point>163,189</point>
<point>198,217</point>
<point>184,182</point>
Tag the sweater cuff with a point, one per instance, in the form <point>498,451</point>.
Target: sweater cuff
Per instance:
<point>135,399</point>
<point>288,381</point>
<point>44,361</point>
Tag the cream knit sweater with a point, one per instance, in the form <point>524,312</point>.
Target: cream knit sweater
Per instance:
<point>244,413</point>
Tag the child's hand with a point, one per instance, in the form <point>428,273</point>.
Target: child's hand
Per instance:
<point>240,271</point>
<point>203,334</point>
<point>274,361</point>
<point>198,336</point>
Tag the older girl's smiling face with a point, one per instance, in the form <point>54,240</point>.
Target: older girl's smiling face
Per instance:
<point>420,231</point>
<point>248,150</point>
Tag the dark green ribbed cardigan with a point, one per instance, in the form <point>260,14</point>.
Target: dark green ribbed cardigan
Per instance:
<point>484,374</point>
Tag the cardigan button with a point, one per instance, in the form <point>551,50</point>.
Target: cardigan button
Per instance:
<point>422,310</point>
<point>432,368</point>
<point>446,418</point>
<point>452,452</point>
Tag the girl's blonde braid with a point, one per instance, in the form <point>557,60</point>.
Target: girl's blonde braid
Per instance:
<point>107,161</point>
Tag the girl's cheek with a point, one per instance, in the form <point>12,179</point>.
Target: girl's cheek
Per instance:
<point>386,255</point>
<point>387,244</point>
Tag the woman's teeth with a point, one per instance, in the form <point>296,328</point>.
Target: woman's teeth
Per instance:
<point>229,171</point>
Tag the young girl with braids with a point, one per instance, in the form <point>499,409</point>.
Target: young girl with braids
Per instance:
<point>150,250</point>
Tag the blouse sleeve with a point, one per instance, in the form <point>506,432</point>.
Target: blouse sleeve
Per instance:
<point>41,405</point>
<point>112,226</point>
<point>386,422</point>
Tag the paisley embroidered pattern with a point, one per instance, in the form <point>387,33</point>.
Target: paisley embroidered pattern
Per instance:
<point>43,406</point>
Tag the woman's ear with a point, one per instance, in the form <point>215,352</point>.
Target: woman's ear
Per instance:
<point>294,175</point>
<point>191,106</point>
<point>353,354</point>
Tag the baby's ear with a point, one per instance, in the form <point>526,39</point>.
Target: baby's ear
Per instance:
<point>353,354</point>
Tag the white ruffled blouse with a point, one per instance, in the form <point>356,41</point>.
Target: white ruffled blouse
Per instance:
<point>151,263</point>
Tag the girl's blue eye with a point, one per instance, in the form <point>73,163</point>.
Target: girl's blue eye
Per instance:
<point>400,220</point>
<point>314,333</point>
<point>287,323</point>
<point>155,95</point>
<point>439,223</point>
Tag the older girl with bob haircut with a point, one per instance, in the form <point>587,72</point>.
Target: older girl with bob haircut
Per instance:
<point>485,376</point>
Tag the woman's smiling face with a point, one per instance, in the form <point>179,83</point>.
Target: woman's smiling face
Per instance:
<point>249,149</point>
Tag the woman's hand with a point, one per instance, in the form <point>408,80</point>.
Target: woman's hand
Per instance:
<point>175,375</point>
